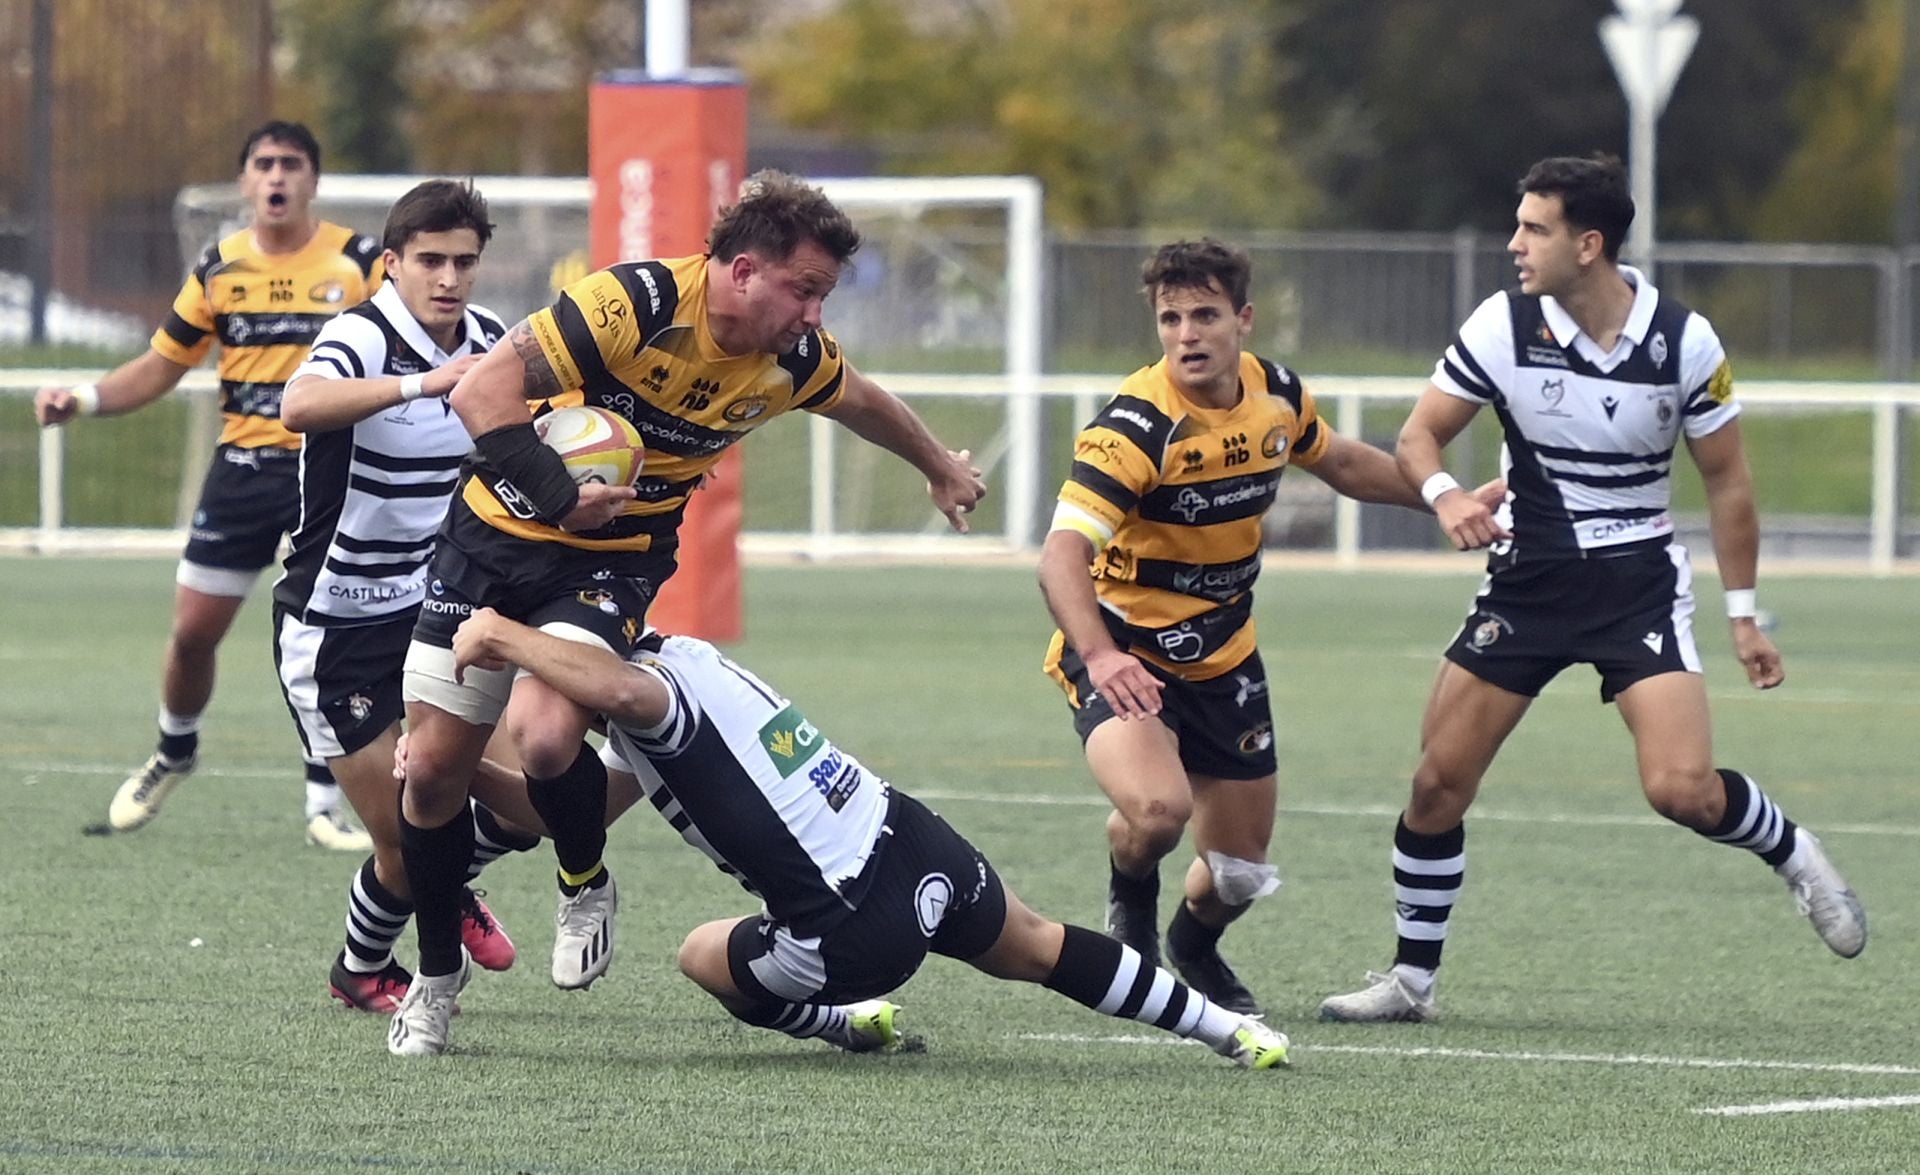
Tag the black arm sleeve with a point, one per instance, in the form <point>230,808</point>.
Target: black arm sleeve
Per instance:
<point>533,473</point>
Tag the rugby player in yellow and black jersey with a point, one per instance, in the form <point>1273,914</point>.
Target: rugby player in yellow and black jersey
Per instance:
<point>263,294</point>
<point>1149,570</point>
<point>697,353</point>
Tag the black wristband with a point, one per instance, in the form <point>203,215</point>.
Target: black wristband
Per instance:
<point>529,479</point>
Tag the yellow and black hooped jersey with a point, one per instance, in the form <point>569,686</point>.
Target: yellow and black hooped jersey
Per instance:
<point>633,338</point>
<point>265,309</point>
<point>1171,494</point>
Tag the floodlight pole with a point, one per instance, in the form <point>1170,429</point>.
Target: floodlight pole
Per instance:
<point>1648,45</point>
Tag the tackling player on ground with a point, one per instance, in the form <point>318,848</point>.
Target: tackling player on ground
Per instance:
<point>860,881</point>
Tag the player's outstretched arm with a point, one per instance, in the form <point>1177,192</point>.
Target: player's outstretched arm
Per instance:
<point>1467,518</point>
<point>134,384</point>
<point>587,675</point>
<point>504,790</point>
<point>1068,589</point>
<point>1360,471</point>
<point>1735,522</point>
<point>876,415</point>
<point>314,403</point>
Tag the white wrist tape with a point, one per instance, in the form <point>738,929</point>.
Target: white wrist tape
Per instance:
<point>412,387</point>
<point>1438,484</point>
<point>86,399</point>
<point>1740,604</point>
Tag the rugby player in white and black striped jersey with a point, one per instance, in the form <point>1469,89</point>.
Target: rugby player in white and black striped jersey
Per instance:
<point>1595,376</point>
<point>860,882</point>
<point>382,456</point>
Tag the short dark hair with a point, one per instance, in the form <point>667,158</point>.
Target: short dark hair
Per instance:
<point>776,213</point>
<point>437,206</point>
<point>1593,192</point>
<point>1198,265</point>
<point>293,134</point>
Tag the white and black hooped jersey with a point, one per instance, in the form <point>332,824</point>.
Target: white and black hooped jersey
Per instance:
<point>372,495</point>
<point>744,777</point>
<point>1590,436</point>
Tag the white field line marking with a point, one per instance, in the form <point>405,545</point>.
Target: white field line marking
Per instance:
<point>1363,811</point>
<point>1816,1105</point>
<point>1389,811</point>
<point>1457,1054</point>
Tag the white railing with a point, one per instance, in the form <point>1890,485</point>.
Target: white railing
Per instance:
<point>1343,398</point>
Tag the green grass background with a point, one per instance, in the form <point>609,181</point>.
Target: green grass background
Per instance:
<point>1587,928</point>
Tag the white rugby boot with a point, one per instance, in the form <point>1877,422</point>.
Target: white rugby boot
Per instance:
<point>140,797</point>
<point>421,1025</point>
<point>1386,997</point>
<point>332,829</point>
<point>1824,896</point>
<point>583,936</point>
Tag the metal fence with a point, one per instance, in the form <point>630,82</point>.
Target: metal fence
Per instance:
<point>1360,301</point>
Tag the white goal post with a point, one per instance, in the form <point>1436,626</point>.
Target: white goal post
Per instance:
<point>952,262</point>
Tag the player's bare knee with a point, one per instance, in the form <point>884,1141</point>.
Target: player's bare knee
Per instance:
<point>688,957</point>
<point>1158,822</point>
<point>1439,796</point>
<point>544,757</point>
<point>545,743</point>
<point>1694,799</point>
<point>434,779</point>
<point>703,958</point>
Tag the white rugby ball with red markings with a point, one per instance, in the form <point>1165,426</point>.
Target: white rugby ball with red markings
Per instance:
<point>597,445</point>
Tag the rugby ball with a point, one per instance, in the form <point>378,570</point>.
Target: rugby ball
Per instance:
<point>597,445</point>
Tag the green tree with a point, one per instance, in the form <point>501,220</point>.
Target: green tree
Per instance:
<point>351,59</point>
<point>1839,183</point>
<point>1391,114</point>
<point>1420,114</point>
<point>1130,111</point>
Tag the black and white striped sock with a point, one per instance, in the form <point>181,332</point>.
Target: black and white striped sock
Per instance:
<point>826,1022</point>
<point>1427,872</point>
<point>1112,979</point>
<point>376,917</point>
<point>1752,821</point>
<point>493,840</point>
